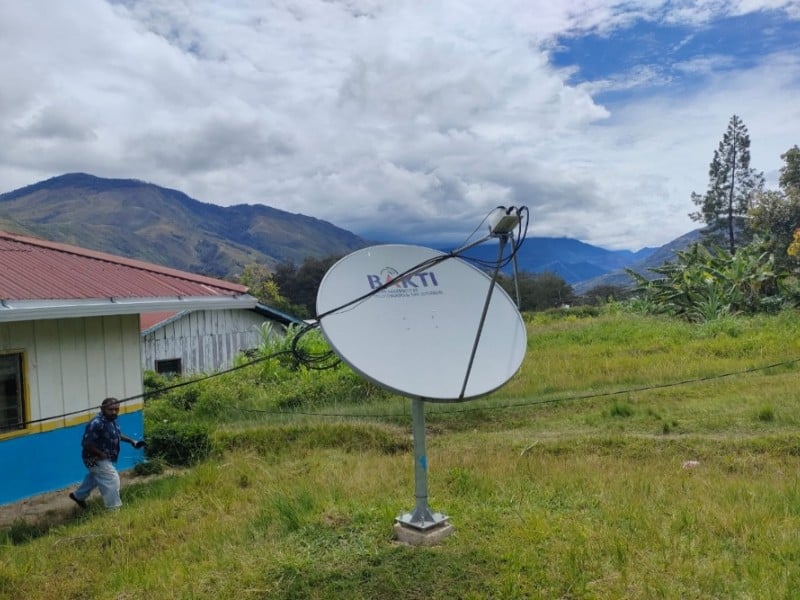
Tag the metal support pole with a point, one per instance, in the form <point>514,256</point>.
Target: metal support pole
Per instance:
<point>503,240</point>
<point>422,517</point>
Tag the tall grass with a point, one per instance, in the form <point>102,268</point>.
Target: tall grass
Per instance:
<point>631,457</point>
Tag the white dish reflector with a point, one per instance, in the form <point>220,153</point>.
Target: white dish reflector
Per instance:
<point>416,337</point>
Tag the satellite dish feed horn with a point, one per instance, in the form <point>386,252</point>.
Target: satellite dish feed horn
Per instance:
<point>425,325</point>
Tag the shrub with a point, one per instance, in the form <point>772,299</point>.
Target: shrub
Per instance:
<point>313,388</point>
<point>161,410</point>
<point>154,466</point>
<point>178,443</point>
<point>178,392</point>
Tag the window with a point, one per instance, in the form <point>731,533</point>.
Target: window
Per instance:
<point>170,366</point>
<point>12,413</point>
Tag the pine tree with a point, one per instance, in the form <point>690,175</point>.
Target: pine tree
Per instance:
<point>732,186</point>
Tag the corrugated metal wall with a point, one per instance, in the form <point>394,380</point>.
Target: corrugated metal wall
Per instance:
<point>205,340</point>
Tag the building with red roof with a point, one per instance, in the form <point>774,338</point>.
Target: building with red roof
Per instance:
<point>70,336</point>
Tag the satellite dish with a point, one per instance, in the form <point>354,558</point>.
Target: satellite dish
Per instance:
<point>425,336</point>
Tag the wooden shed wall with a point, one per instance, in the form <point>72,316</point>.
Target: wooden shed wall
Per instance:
<point>205,340</point>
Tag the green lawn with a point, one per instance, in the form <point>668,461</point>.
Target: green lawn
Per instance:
<point>569,482</point>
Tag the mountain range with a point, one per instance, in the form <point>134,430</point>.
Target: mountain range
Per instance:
<point>141,220</point>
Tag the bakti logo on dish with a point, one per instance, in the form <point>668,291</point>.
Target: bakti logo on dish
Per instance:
<point>413,282</point>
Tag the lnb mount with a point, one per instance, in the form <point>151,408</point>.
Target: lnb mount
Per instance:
<point>503,221</point>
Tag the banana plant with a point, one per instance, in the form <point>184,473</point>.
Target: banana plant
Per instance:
<point>706,283</point>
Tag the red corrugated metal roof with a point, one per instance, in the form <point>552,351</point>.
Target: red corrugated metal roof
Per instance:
<point>148,320</point>
<point>34,269</point>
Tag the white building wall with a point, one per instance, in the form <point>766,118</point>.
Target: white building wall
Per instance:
<point>204,340</point>
<point>72,364</point>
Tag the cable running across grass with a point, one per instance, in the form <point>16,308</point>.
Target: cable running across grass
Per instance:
<point>540,402</point>
<point>524,404</point>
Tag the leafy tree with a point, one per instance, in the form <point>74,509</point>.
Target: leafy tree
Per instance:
<point>300,284</point>
<point>732,185</point>
<point>790,172</point>
<point>261,284</point>
<point>775,215</point>
<point>538,291</point>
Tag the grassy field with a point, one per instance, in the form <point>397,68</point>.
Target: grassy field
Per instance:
<point>572,481</point>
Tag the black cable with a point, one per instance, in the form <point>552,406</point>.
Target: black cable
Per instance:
<point>435,260</point>
<point>321,361</point>
<point>535,402</point>
<point>324,360</point>
<point>145,395</point>
<point>520,236</point>
<point>469,409</point>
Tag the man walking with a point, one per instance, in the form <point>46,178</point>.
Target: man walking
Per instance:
<point>100,444</point>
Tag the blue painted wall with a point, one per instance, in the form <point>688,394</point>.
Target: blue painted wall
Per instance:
<point>44,462</point>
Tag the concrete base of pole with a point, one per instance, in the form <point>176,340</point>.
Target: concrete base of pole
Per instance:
<point>422,537</point>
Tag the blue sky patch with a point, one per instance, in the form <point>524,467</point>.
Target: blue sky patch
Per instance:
<point>650,54</point>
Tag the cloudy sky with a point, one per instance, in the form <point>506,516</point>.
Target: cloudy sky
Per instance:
<point>405,120</point>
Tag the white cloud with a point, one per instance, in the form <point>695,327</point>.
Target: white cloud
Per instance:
<point>410,118</point>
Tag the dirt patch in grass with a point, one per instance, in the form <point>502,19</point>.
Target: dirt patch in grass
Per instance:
<point>55,507</point>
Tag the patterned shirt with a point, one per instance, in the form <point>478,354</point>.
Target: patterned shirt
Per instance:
<point>103,434</point>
